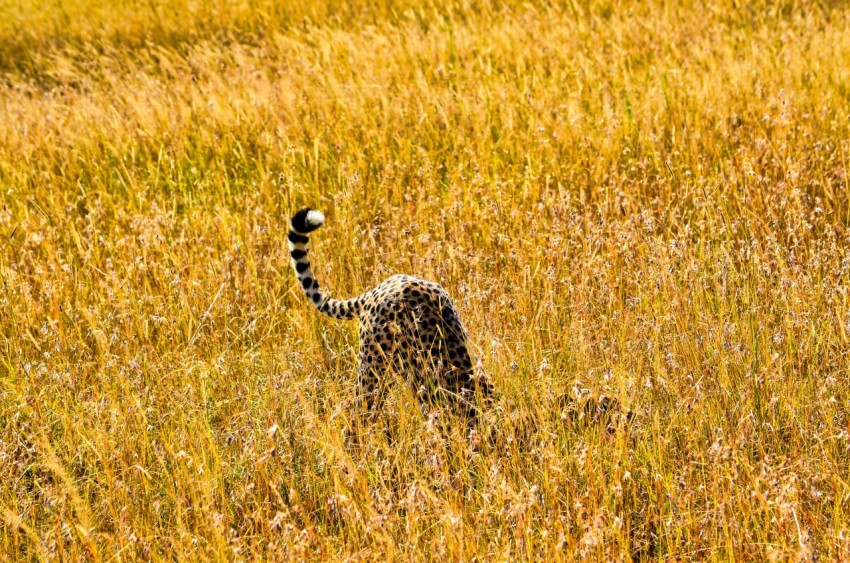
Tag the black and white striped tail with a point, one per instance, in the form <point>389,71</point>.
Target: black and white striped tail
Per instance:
<point>304,222</point>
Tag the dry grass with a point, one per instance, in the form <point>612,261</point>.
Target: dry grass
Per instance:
<point>647,199</point>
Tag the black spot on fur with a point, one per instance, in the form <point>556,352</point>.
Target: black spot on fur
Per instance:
<point>316,297</point>
<point>301,267</point>
<point>315,283</point>
<point>299,222</point>
<point>295,238</point>
<point>298,254</point>
<point>305,283</point>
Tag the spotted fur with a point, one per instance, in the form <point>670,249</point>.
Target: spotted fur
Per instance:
<point>408,327</point>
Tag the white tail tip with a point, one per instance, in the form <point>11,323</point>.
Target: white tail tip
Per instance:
<point>315,218</point>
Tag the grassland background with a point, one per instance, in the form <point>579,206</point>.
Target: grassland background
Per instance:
<point>648,199</point>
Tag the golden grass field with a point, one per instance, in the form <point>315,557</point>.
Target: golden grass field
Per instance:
<point>643,199</point>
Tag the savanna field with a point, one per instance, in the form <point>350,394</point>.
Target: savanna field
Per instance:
<point>646,200</point>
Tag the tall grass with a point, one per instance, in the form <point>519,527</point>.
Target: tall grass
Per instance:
<point>646,199</point>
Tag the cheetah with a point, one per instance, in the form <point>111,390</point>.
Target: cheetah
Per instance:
<point>408,326</point>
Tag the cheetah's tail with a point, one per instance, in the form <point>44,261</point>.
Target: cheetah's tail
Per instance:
<point>302,223</point>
